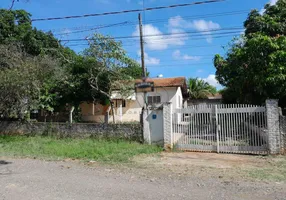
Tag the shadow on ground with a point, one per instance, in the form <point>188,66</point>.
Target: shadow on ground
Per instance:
<point>3,162</point>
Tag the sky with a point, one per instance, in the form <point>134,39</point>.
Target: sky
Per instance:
<point>178,41</point>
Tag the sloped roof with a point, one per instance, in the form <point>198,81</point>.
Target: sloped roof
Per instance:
<point>166,82</point>
<point>216,96</point>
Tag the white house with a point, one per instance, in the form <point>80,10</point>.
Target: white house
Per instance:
<point>128,109</point>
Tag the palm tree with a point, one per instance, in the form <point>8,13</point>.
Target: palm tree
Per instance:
<point>199,89</point>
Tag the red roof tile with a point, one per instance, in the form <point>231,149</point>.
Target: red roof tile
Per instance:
<point>166,82</point>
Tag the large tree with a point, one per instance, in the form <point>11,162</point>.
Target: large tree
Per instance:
<point>254,67</point>
<point>113,68</point>
<point>27,82</point>
<point>90,76</point>
<point>16,27</point>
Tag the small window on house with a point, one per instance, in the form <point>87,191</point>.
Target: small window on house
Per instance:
<point>123,103</point>
<point>154,99</point>
<point>118,102</point>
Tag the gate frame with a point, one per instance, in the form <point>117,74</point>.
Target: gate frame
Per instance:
<point>272,119</point>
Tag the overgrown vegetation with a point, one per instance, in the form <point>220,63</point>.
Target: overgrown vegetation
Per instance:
<point>254,67</point>
<point>38,72</point>
<point>84,149</point>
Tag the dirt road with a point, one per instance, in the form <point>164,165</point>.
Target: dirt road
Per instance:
<point>29,179</point>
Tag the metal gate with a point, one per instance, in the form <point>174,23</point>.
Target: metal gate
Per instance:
<point>221,128</point>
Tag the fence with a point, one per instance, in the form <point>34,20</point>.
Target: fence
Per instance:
<point>221,128</point>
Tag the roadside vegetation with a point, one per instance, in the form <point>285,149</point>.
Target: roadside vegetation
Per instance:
<point>102,150</point>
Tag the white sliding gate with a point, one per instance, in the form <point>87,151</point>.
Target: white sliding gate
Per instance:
<point>221,128</point>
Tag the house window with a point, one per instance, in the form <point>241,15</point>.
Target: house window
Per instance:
<point>154,99</point>
<point>123,103</point>
<point>118,102</point>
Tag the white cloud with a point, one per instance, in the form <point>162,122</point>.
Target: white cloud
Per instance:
<point>212,80</point>
<point>205,27</point>
<point>271,2</point>
<point>202,26</point>
<point>178,56</point>
<point>149,60</point>
<point>154,40</point>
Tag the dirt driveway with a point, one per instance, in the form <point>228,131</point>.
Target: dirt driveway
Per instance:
<point>168,176</point>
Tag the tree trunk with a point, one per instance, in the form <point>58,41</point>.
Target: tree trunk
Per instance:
<point>71,112</point>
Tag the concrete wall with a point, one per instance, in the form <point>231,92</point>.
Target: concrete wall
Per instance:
<point>192,102</point>
<point>127,131</point>
<point>153,129</point>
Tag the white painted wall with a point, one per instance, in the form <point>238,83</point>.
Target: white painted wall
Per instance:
<point>167,94</point>
<point>155,119</point>
<point>133,109</point>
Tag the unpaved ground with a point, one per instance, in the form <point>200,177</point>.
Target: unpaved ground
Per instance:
<point>226,166</point>
<point>168,176</point>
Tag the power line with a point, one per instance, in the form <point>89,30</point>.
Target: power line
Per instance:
<point>96,28</point>
<point>176,65</point>
<point>187,47</point>
<point>134,23</point>
<point>201,38</point>
<point>165,34</point>
<point>128,11</point>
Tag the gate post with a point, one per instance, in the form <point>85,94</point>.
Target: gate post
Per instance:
<point>216,128</point>
<point>167,126</point>
<point>272,117</point>
<point>146,129</point>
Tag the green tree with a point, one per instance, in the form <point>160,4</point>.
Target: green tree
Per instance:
<point>254,67</point>
<point>16,27</point>
<point>112,70</point>
<point>67,79</point>
<point>199,89</point>
<point>27,82</point>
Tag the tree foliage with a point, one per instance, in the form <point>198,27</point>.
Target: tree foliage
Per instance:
<point>199,89</point>
<point>112,69</point>
<point>27,83</point>
<point>254,67</point>
<point>37,72</point>
<point>16,27</point>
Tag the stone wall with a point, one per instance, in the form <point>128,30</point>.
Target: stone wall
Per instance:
<point>77,130</point>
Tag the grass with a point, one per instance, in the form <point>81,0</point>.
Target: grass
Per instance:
<point>274,169</point>
<point>83,149</point>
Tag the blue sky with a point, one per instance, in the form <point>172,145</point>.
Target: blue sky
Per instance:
<point>178,53</point>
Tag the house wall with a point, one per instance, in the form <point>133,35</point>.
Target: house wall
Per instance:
<point>133,109</point>
<point>93,112</point>
<point>192,102</point>
<point>167,94</point>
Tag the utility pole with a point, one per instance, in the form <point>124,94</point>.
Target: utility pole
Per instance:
<point>142,59</point>
<point>142,48</point>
